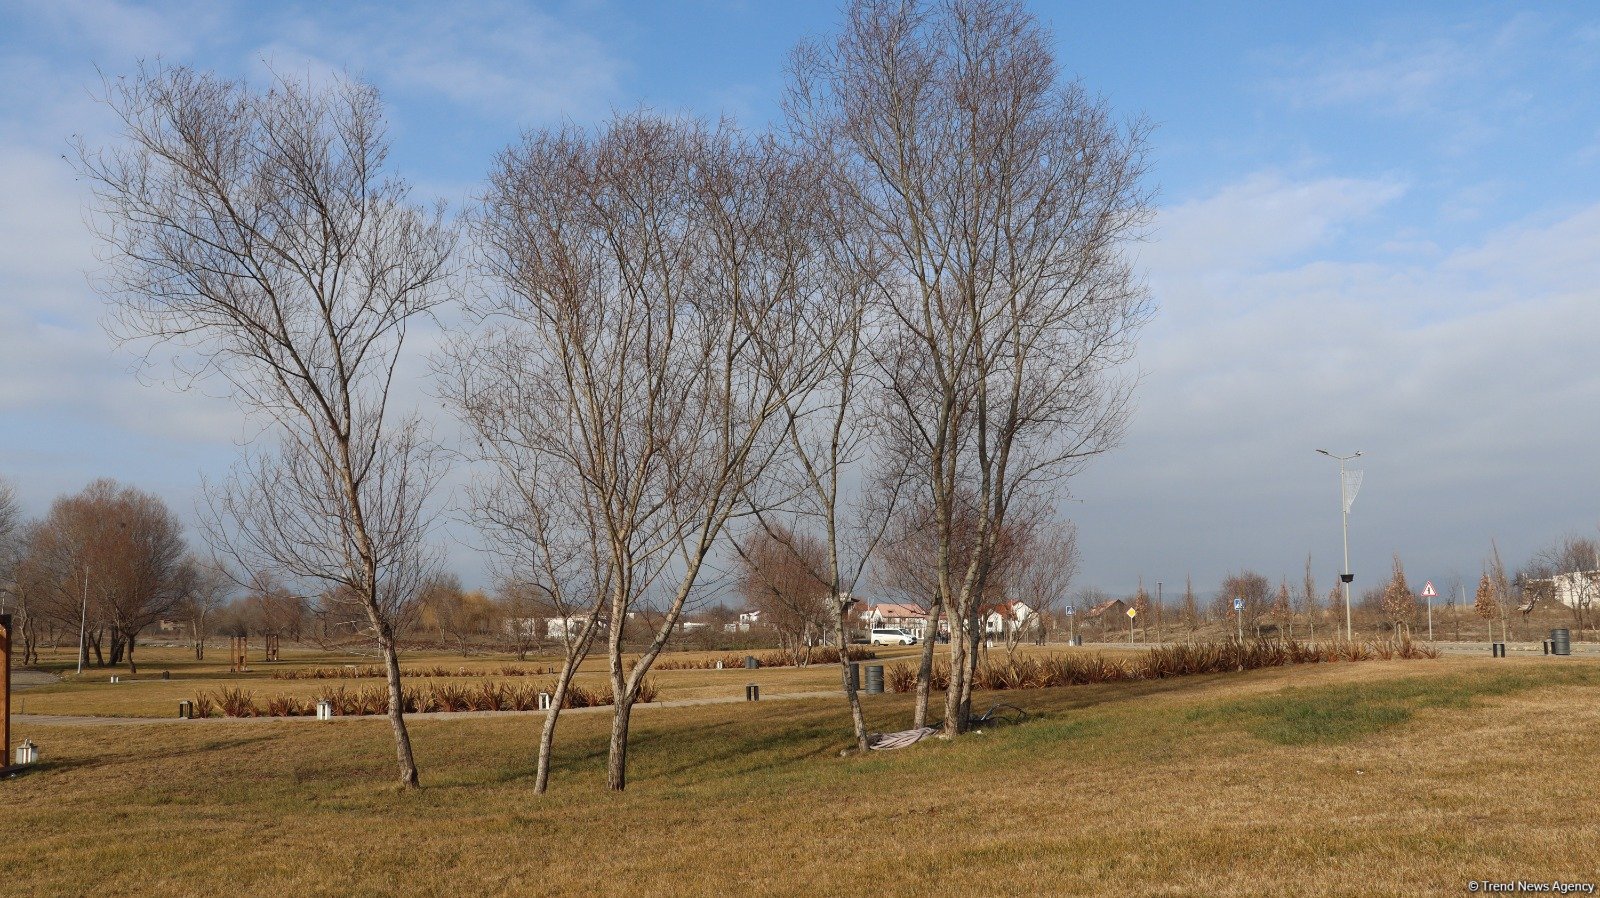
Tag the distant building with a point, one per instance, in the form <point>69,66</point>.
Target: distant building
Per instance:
<point>1576,589</point>
<point>564,627</point>
<point>1006,617</point>
<point>902,615</point>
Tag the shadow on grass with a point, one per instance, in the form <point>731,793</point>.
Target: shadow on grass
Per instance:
<point>1343,713</point>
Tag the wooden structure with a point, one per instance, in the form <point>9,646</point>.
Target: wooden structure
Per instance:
<point>272,648</point>
<point>5,688</point>
<point>238,653</point>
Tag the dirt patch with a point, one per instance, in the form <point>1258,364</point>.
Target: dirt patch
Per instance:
<point>24,678</point>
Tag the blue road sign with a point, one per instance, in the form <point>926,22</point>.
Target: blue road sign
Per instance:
<point>1238,604</point>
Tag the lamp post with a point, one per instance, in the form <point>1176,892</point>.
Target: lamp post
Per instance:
<point>1347,495</point>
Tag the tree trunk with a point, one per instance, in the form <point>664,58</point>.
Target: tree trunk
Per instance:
<point>547,733</point>
<point>925,666</point>
<point>857,719</point>
<point>959,637</point>
<point>617,760</point>
<point>397,707</point>
<point>132,667</point>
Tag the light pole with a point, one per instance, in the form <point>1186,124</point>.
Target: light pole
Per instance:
<point>1347,495</point>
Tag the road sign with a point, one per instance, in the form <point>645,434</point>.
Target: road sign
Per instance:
<point>1072,609</point>
<point>1238,604</point>
<point>1427,590</point>
<point>1133,612</point>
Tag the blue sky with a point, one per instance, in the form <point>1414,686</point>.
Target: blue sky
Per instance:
<point>1379,229</point>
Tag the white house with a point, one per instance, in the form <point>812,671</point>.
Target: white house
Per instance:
<point>1576,588</point>
<point>903,615</point>
<point>749,618</point>
<point>563,627</point>
<point>1006,617</point>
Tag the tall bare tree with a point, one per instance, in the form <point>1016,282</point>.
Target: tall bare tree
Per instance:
<point>1191,607</point>
<point>635,266</point>
<point>256,236</point>
<point>1310,600</point>
<point>1002,199</point>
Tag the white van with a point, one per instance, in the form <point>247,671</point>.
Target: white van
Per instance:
<point>892,636</point>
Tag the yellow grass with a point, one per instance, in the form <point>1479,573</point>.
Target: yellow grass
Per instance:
<point>1202,786</point>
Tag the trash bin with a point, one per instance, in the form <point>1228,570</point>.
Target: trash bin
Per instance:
<point>855,675</point>
<point>752,692</point>
<point>750,662</point>
<point>1077,640</point>
<point>1561,641</point>
<point>874,679</point>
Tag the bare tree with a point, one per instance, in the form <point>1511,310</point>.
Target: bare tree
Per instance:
<point>1001,199</point>
<point>1046,563</point>
<point>520,608</point>
<point>1191,607</point>
<point>1573,562</point>
<point>1254,589</point>
<point>1282,610</point>
<point>1310,600</point>
<point>110,559</point>
<point>636,265</point>
<point>209,591</point>
<point>778,575</point>
<point>257,237</point>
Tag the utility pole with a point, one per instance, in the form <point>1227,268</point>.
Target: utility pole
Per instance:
<point>1347,495</point>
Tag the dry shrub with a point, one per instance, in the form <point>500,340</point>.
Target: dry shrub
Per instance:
<point>237,703</point>
<point>1159,663</point>
<point>824,655</point>
<point>352,672</point>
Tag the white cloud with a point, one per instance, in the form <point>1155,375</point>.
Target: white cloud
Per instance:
<point>1259,221</point>
<point>510,60</point>
<point>1468,378</point>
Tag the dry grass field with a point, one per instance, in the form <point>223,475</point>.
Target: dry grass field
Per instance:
<point>1379,778</point>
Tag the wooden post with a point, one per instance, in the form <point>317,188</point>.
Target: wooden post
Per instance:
<point>239,651</point>
<point>5,688</point>
<point>272,647</point>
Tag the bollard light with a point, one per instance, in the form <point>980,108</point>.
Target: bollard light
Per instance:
<point>324,709</point>
<point>27,753</point>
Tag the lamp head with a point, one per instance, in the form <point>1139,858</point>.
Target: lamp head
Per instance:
<point>1325,452</point>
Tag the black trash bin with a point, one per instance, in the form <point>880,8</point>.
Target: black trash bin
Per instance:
<point>874,679</point>
<point>1561,641</point>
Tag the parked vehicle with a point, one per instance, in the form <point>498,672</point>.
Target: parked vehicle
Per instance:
<point>892,636</point>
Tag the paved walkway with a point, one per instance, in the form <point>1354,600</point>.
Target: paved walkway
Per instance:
<point>79,721</point>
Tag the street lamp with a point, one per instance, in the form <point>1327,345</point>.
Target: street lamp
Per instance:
<point>1349,483</point>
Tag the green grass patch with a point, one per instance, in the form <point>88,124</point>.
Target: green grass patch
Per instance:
<point>1322,715</point>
